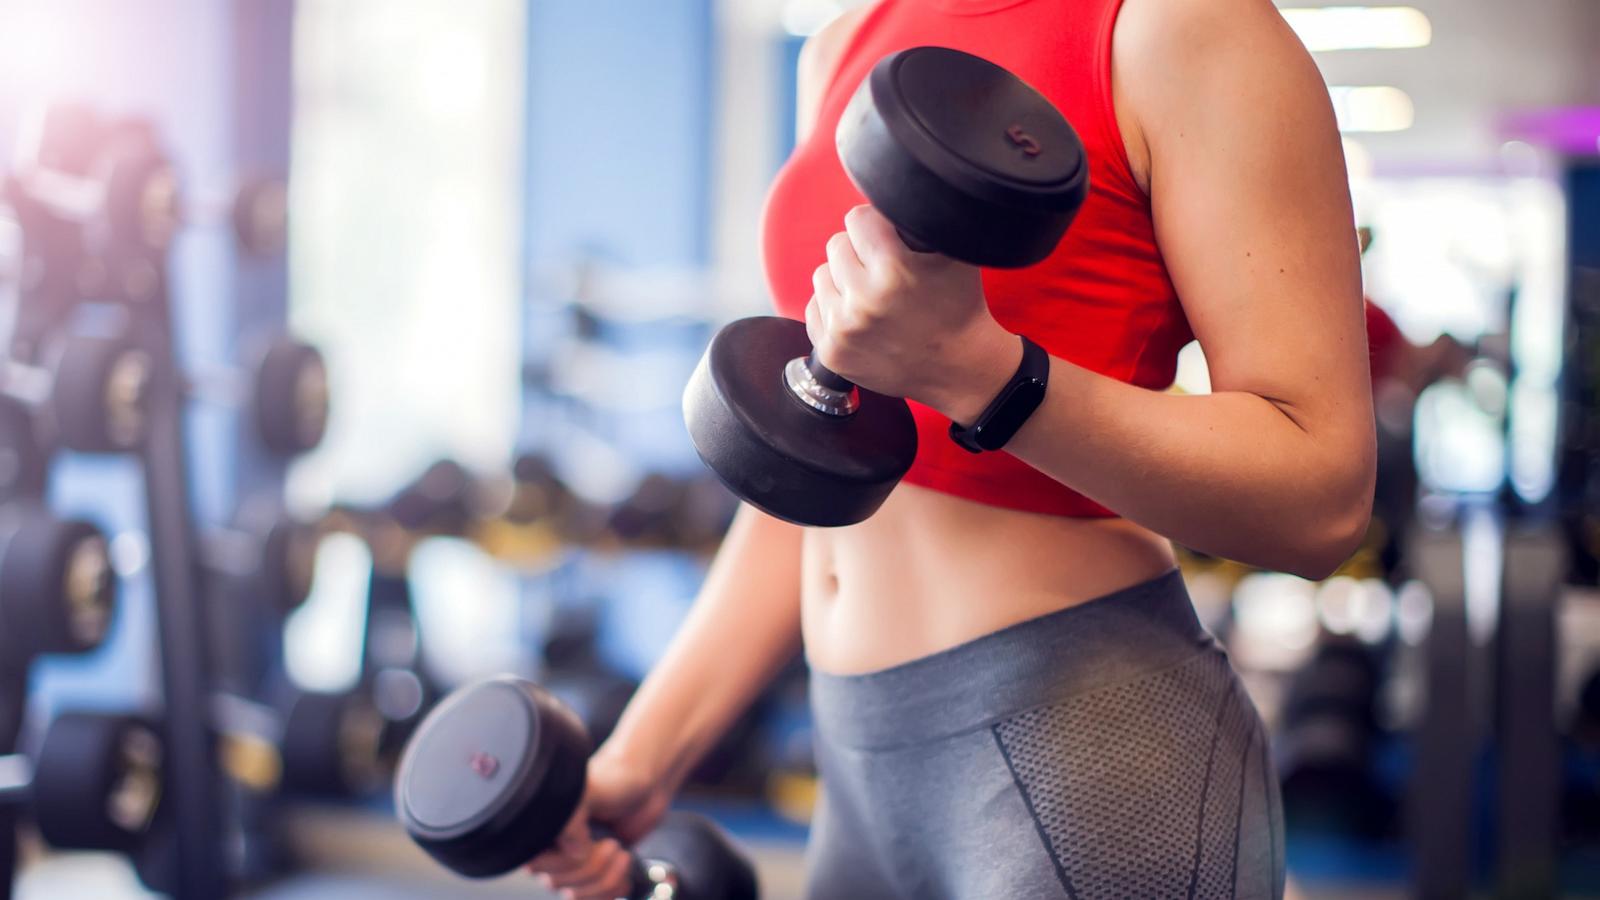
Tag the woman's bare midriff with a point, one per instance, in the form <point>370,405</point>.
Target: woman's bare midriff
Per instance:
<point>930,571</point>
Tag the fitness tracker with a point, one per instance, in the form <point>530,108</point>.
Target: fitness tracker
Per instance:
<point>1001,419</point>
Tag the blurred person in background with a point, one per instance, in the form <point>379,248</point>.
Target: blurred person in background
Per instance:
<point>1012,695</point>
<point>1401,371</point>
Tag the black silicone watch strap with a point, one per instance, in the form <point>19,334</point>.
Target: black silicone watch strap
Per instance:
<point>1010,409</point>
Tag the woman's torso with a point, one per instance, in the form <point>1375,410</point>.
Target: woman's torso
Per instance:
<point>959,551</point>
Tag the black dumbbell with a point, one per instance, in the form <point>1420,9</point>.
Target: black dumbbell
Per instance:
<point>284,390</point>
<point>95,389</point>
<point>966,160</point>
<point>669,512</point>
<point>441,501</point>
<point>495,772</point>
<point>95,784</point>
<point>309,743</point>
<point>332,745</point>
<point>272,555</point>
<point>57,590</point>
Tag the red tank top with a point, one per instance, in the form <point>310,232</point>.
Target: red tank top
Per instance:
<point>1103,300</point>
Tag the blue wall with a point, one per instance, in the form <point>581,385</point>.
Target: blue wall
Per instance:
<point>619,138</point>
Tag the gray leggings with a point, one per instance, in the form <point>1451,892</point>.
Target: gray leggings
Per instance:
<point>1106,750</point>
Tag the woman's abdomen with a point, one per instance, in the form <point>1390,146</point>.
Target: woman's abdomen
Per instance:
<point>930,571</point>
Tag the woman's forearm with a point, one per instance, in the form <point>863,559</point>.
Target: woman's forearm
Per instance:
<point>1231,474</point>
<point>743,628</point>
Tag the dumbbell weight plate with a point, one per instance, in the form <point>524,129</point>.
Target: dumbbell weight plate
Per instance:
<point>261,216</point>
<point>57,591</point>
<point>538,496</point>
<point>290,402</point>
<point>100,394</point>
<point>491,777</point>
<point>330,744</point>
<point>440,501</point>
<point>644,515</point>
<point>780,455</point>
<point>288,564</point>
<point>963,157</point>
<point>705,862</point>
<point>98,781</point>
<point>143,203</point>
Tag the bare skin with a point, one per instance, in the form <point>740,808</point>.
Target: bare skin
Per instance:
<point>1224,119</point>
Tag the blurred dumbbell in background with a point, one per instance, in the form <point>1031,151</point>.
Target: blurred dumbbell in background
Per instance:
<point>57,588</point>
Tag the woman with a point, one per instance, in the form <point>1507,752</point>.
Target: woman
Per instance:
<point>1012,695</point>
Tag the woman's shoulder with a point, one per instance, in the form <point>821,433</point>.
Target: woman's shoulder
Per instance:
<point>820,57</point>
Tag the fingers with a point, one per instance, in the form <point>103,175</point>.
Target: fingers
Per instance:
<point>824,306</point>
<point>610,880</point>
<point>873,237</point>
<point>845,268</point>
<point>814,327</point>
<point>599,871</point>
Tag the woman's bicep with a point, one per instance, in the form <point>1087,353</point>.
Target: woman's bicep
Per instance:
<point>1252,207</point>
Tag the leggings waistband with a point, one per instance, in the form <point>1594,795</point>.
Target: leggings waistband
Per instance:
<point>1108,640</point>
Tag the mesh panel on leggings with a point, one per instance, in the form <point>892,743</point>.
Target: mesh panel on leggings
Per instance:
<point>1131,787</point>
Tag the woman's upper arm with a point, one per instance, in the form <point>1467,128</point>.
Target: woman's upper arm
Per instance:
<point>1252,205</point>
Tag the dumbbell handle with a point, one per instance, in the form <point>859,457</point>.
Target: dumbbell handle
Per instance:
<point>16,779</point>
<point>30,384</point>
<point>827,377</point>
<point>644,875</point>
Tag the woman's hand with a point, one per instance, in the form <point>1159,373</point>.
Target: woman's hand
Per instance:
<point>622,795</point>
<point>907,324</point>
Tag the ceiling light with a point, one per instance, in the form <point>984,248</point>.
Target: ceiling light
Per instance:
<point>1323,28</point>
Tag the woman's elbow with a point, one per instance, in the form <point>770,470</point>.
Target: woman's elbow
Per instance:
<point>1338,526</point>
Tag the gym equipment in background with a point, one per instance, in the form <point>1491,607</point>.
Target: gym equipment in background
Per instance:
<point>94,389</point>
<point>1328,743</point>
<point>95,783</point>
<point>97,205</point>
<point>271,556</point>
<point>57,595</point>
<point>284,391</point>
<point>57,590</point>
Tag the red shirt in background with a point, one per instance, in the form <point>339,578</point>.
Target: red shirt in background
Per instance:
<point>1384,342</point>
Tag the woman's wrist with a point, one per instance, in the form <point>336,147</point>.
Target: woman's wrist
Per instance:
<point>974,372</point>
<point>634,748</point>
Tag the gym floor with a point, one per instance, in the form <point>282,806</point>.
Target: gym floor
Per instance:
<point>359,856</point>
